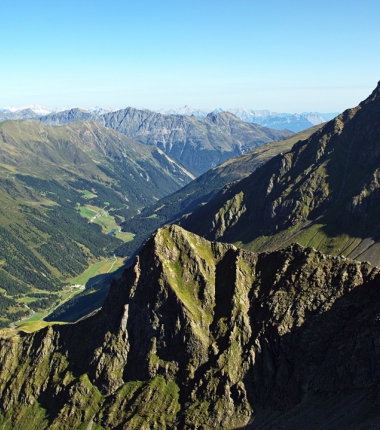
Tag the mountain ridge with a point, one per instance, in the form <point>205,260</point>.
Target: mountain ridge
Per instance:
<point>198,144</point>
<point>321,193</point>
<point>216,336</point>
<point>295,122</point>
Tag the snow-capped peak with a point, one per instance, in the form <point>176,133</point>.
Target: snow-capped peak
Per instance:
<point>37,109</point>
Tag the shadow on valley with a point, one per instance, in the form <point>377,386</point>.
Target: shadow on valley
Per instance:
<point>89,300</point>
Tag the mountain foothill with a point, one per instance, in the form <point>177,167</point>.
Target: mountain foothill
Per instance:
<point>254,305</point>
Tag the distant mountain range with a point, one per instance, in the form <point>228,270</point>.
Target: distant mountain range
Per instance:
<point>294,122</point>
<point>42,110</point>
<point>34,111</point>
<point>197,143</point>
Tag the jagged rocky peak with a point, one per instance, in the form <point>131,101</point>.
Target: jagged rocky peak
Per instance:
<point>374,95</point>
<point>221,117</point>
<point>214,337</point>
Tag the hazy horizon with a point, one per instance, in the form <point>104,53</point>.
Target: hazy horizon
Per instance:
<point>178,108</point>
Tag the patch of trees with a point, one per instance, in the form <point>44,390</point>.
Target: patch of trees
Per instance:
<point>5,303</point>
<point>41,295</point>
<point>68,258</point>
<point>103,193</point>
<point>10,316</point>
<point>20,263</point>
<point>11,285</point>
<point>52,188</point>
<point>43,303</point>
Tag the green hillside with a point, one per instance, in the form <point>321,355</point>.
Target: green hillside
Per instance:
<point>50,180</point>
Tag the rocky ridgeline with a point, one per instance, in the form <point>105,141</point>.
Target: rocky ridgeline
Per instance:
<point>324,192</point>
<point>199,144</point>
<point>201,334</point>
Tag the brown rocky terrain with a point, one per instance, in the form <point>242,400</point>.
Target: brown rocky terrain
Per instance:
<point>203,335</point>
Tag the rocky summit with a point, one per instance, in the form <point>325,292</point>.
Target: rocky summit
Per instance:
<point>203,335</point>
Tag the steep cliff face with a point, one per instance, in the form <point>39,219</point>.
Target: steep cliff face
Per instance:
<point>323,193</point>
<point>204,335</point>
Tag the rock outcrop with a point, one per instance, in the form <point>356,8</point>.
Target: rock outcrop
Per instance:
<point>202,334</point>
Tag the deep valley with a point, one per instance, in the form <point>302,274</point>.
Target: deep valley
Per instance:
<point>208,274</point>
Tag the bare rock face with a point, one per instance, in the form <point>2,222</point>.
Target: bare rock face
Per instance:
<point>201,334</point>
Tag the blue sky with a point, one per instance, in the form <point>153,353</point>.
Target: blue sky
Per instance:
<point>282,55</point>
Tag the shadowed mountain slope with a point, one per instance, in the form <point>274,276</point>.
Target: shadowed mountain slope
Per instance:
<point>323,193</point>
<point>214,337</point>
<point>202,189</point>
